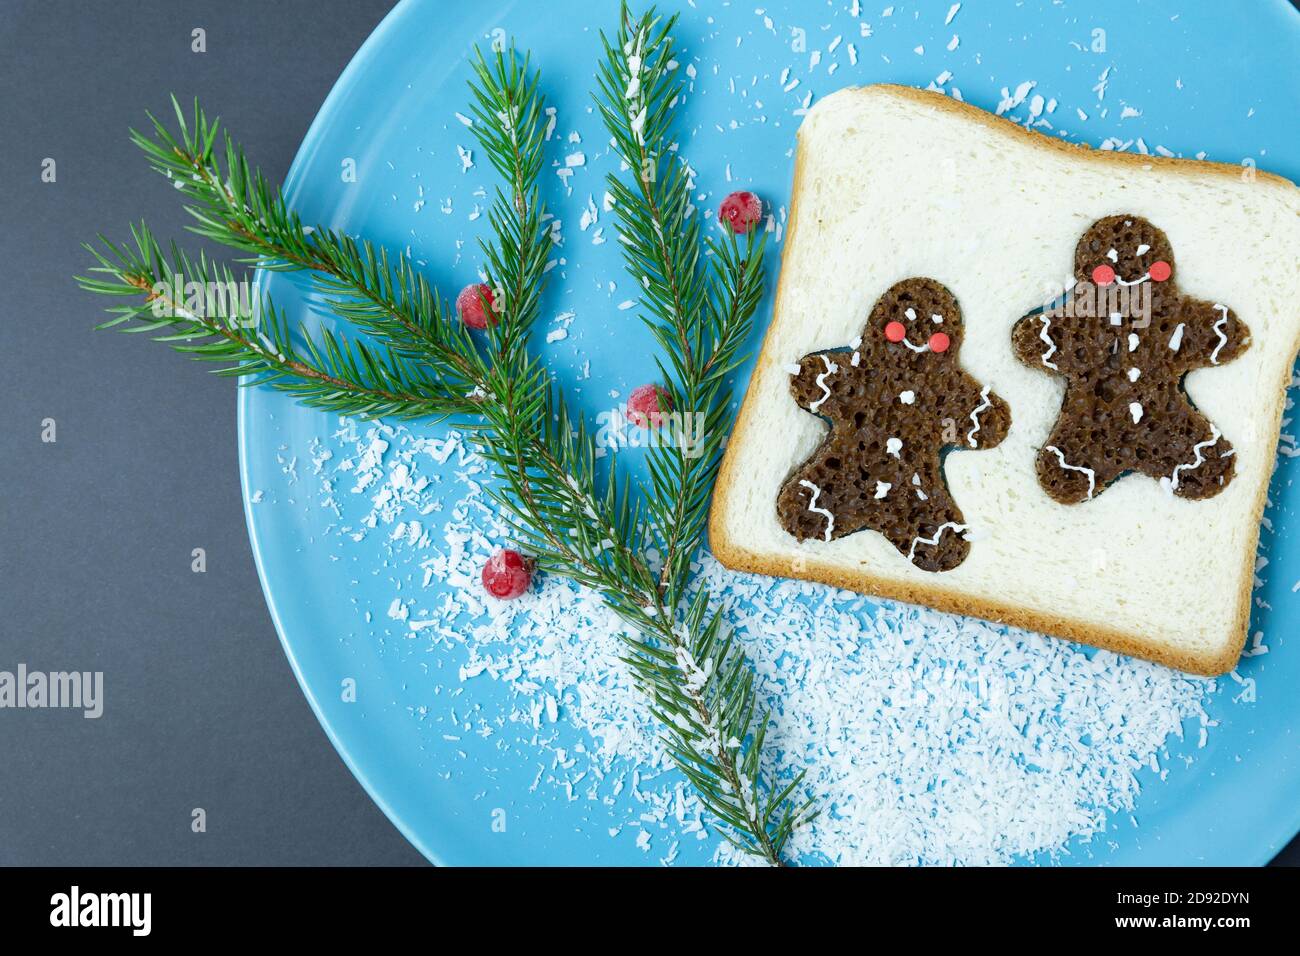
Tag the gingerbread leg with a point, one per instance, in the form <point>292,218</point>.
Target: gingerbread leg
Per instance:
<point>1205,469</point>
<point>823,499</point>
<point>802,507</point>
<point>933,538</point>
<point>1067,472</point>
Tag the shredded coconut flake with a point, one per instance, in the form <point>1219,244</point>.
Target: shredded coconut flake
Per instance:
<point>929,738</point>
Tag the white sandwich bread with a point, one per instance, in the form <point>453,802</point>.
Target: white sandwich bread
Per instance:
<point>1019,379</point>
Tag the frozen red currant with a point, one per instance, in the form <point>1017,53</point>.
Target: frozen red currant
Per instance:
<point>742,211</point>
<point>507,574</point>
<point>470,304</point>
<point>646,405</point>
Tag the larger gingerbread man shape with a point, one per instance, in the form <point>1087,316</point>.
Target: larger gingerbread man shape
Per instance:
<point>895,400</point>
<point>1124,343</point>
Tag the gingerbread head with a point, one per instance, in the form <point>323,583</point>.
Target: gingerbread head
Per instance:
<point>1123,254</point>
<point>916,324</point>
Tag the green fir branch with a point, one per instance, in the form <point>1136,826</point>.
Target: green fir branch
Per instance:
<point>234,205</point>
<point>592,530</point>
<point>700,314</point>
<point>256,345</point>
<point>509,124</point>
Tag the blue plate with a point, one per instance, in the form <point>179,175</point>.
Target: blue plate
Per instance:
<point>1207,79</point>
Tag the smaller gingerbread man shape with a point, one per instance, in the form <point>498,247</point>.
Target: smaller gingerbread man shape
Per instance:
<point>895,400</point>
<point>1124,342</point>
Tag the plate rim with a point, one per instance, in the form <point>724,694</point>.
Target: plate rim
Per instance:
<point>291,187</point>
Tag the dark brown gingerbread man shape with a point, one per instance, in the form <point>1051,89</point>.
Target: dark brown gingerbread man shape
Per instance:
<point>1124,342</point>
<point>895,400</point>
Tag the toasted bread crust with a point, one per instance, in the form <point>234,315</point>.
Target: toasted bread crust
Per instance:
<point>735,555</point>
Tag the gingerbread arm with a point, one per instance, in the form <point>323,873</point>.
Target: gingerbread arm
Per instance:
<point>1211,333</point>
<point>821,380</point>
<point>987,419</point>
<point>1040,340</point>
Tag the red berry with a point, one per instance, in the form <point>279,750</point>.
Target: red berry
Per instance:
<point>742,211</point>
<point>507,574</point>
<point>470,306</point>
<point>1160,271</point>
<point>1103,275</point>
<point>939,342</point>
<point>646,405</point>
<point>895,331</point>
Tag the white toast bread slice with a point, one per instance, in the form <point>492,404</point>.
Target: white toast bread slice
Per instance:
<point>892,182</point>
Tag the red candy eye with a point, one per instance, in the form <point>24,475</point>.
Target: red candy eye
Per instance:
<point>1160,271</point>
<point>1103,275</point>
<point>939,342</point>
<point>895,332</point>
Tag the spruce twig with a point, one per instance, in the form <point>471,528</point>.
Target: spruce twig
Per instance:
<point>700,316</point>
<point>256,346</point>
<point>427,364</point>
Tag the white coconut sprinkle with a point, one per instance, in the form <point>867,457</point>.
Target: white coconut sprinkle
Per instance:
<point>930,738</point>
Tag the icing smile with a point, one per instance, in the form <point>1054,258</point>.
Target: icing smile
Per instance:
<point>1138,281</point>
<point>897,332</point>
<point>1104,275</point>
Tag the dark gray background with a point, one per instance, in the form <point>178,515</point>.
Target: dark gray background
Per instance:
<point>202,709</point>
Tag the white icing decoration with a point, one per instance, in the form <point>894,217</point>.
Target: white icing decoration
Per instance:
<point>882,489</point>
<point>1132,342</point>
<point>1215,435</point>
<point>935,540</point>
<point>856,342</point>
<point>1145,276</point>
<point>893,446</point>
<point>1176,340</point>
<point>1135,410</point>
<point>975,415</point>
<point>1143,249</point>
<point>1113,256</point>
<point>812,506</point>
<point>794,369</point>
<point>1133,374</point>
<point>1116,318</point>
<point>917,348</point>
<point>911,315</point>
<point>856,360</point>
<point>908,397</point>
<point>1051,345</point>
<point>936,318</point>
<point>1218,330</point>
<point>831,369</point>
<point>1092,475</point>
